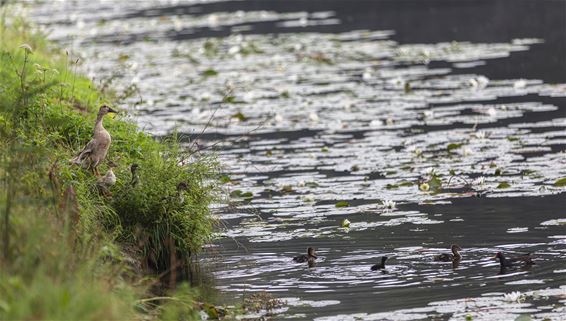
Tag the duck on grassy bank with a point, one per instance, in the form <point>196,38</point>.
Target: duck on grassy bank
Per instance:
<point>446,257</point>
<point>97,148</point>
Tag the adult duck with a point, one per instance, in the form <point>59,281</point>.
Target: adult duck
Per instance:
<point>446,257</point>
<point>96,150</point>
<point>514,261</point>
<point>310,257</point>
<point>380,265</point>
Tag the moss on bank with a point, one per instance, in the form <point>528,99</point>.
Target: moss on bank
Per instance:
<point>68,251</point>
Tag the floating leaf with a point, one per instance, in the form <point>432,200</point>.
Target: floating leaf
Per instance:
<point>391,186</point>
<point>503,185</point>
<point>239,116</point>
<point>453,146</point>
<point>287,189</point>
<point>229,99</point>
<point>209,73</point>
<point>225,179</point>
<point>560,182</point>
<point>342,204</point>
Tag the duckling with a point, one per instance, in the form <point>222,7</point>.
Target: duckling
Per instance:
<point>95,151</point>
<point>514,261</point>
<point>445,257</point>
<point>182,186</point>
<point>310,257</point>
<point>380,265</point>
<point>135,177</point>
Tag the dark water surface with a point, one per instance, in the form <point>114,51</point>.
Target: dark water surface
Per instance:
<point>308,103</point>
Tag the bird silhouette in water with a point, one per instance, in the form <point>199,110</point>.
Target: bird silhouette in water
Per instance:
<point>135,177</point>
<point>95,151</point>
<point>516,261</point>
<point>446,257</point>
<point>310,257</point>
<point>380,265</point>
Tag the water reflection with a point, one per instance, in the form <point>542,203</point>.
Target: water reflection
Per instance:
<point>323,111</point>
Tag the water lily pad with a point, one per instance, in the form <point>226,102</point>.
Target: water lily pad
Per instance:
<point>342,204</point>
<point>560,182</point>
<point>503,185</point>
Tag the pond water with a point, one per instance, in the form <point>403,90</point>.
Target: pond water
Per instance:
<point>423,123</point>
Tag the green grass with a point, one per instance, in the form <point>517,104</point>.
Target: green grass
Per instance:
<point>66,249</point>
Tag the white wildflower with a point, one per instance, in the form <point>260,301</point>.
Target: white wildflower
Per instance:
<point>514,296</point>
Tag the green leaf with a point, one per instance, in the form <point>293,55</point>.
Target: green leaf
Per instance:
<point>209,73</point>
<point>239,116</point>
<point>342,204</point>
<point>503,185</point>
<point>560,182</point>
<point>453,146</point>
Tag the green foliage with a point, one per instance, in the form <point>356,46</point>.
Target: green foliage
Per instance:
<point>61,252</point>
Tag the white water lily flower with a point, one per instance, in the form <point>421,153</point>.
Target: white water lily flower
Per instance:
<point>479,181</point>
<point>478,83</point>
<point>367,75</point>
<point>389,204</point>
<point>346,223</point>
<point>514,296</point>
<point>428,113</point>
<point>301,184</point>
<point>479,135</point>
<point>424,187</point>
<point>520,84</point>
<point>491,112</point>
<point>314,117</point>
<point>308,198</point>
<point>278,118</point>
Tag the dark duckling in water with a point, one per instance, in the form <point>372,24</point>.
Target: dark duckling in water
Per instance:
<point>309,257</point>
<point>380,265</point>
<point>445,257</point>
<point>514,261</point>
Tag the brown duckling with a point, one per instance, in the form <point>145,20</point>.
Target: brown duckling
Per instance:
<point>310,257</point>
<point>380,265</point>
<point>514,261</point>
<point>445,257</point>
<point>135,177</point>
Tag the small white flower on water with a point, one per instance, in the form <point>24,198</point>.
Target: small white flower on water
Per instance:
<point>478,83</point>
<point>309,198</point>
<point>301,184</point>
<point>479,135</point>
<point>466,151</point>
<point>346,223</point>
<point>298,47</point>
<point>234,50</point>
<point>514,296</point>
<point>389,204</point>
<point>135,80</point>
<point>375,123</point>
<point>424,187</point>
<point>418,152</point>
<point>389,121</point>
<point>314,117</point>
<point>479,181</point>
<point>491,112</point>
<point>205,96</point>
<point>428,114</point>
<point>367,75</point>
<point>520,84</point>
<point>195,111</point>
<point>278,118</point>
<point>213,20</point>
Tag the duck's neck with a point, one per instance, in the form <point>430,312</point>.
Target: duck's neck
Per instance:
<point>455,252</point>
<point>98,125</point>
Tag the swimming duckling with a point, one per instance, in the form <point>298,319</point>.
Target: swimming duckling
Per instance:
<point>514,261</point>
<point>445,257</point>
<point>135,177</point>
<point>310,257</point>
<point>380,265</point>
<point>97,148</point>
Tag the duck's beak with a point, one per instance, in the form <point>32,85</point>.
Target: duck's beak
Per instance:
<point>110,110</point>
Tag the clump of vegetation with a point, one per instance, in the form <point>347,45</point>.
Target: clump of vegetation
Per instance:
<point>67,250</point>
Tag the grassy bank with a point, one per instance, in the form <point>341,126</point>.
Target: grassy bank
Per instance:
<point>69,251</point>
